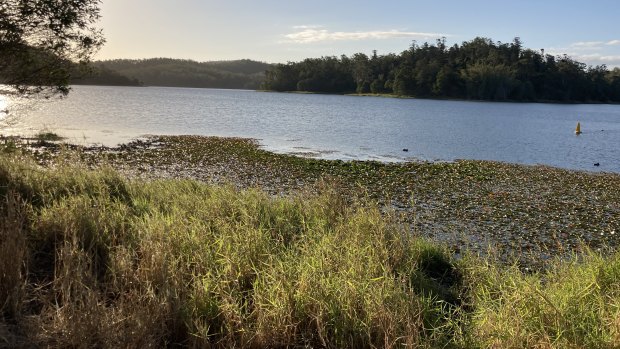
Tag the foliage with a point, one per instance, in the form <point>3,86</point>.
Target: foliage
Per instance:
<point>478,69</point>
<point>41,41</point>
<point>575,304</point>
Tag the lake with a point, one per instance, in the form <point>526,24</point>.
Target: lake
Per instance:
<point>337,127</point>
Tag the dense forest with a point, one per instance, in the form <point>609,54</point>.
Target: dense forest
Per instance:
<point>239,74</point>
<point>101,75</point>
<point>478,69</point>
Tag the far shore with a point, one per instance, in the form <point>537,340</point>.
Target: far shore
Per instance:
<point>382,95</point>
<point>391,95</point>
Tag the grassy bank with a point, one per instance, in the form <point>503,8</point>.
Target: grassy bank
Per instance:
<point>89,258</point>
<point>528,213</point>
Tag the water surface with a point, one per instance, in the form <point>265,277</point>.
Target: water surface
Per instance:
<point>340,127</point>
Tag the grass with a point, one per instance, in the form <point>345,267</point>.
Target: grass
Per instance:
<point>48,136</point>
<point>107,262</point>
<point>576,304</point>
<point>89,258</point>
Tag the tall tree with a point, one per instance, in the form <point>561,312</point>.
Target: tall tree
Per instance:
<point>42,40</point>
<point>362,72</point>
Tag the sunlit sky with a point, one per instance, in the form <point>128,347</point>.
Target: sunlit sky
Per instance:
<point>280,31</point>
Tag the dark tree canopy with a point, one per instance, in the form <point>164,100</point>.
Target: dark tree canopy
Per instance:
<point>480,69</point>
<point>41,41</point>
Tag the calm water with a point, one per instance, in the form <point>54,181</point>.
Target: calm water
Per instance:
<point>340,127</point>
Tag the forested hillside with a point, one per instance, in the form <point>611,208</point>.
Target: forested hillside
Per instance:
<point>479,69</point>
<point>239,74</point>
<point>101,75</point>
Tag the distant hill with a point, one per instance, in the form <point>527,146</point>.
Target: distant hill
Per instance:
<point>100,75</point>
<point>238,74</point>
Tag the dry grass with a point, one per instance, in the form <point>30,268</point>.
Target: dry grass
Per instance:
<point>90,259</point>
<point>112,263</point>
<point>575,304</point>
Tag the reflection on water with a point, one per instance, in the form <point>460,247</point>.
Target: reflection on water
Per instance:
<point>342,127</point>
<point>4,104</point>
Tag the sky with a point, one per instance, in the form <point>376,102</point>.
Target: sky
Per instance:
<point>280,31</point>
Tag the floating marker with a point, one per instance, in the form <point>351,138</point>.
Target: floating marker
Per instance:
<point>578,129</point>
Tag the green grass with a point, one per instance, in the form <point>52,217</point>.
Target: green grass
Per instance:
<point>91,259</point>
<point>576,304</point>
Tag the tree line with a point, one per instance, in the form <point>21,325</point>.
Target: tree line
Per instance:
<point>480,69</point>
<point>238,74</point>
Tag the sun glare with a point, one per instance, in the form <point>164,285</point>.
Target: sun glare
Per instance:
<point>4,105</point>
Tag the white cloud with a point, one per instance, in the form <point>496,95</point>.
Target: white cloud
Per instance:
<point>312,34</point>
<point>306,26</point>
<point>592,45</point>
<point>597,59</point>
<point>587,44</point>
<point>603,56</point>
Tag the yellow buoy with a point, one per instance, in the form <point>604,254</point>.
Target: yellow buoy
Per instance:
<point>578,129</point>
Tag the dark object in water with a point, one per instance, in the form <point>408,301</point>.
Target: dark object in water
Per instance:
<point>405,149</point>
<point>597,164</point>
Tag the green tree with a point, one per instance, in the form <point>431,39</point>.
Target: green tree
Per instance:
<point>488,82</point>
<point>41,41</point>
<point>447,83</point>
<point>282,77</point>
<point>571,80</point>
<point>362,72</point>
<point>599,89</point>
<point>613,79</point>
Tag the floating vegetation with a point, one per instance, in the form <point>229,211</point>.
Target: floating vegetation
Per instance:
<point>47,136</point>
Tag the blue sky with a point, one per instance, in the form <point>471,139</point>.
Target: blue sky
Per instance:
<point>280,31</point>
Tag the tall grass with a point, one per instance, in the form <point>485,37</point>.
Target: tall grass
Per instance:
<point>575,304</point>
<point>91,259</point>
<point>103,261</point>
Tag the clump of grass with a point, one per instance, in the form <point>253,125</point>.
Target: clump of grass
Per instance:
<point>48,136</point>
<point>119,263</point>
<point>574,304</point>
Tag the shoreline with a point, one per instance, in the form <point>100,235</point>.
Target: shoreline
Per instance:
<point>529,214</point>
<point>391,95</point>
<point>302,152</point>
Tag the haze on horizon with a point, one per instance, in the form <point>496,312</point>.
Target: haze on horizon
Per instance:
<point>274,31</point>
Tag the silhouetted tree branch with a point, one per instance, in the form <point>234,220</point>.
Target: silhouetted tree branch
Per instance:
<point>41,41</point>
